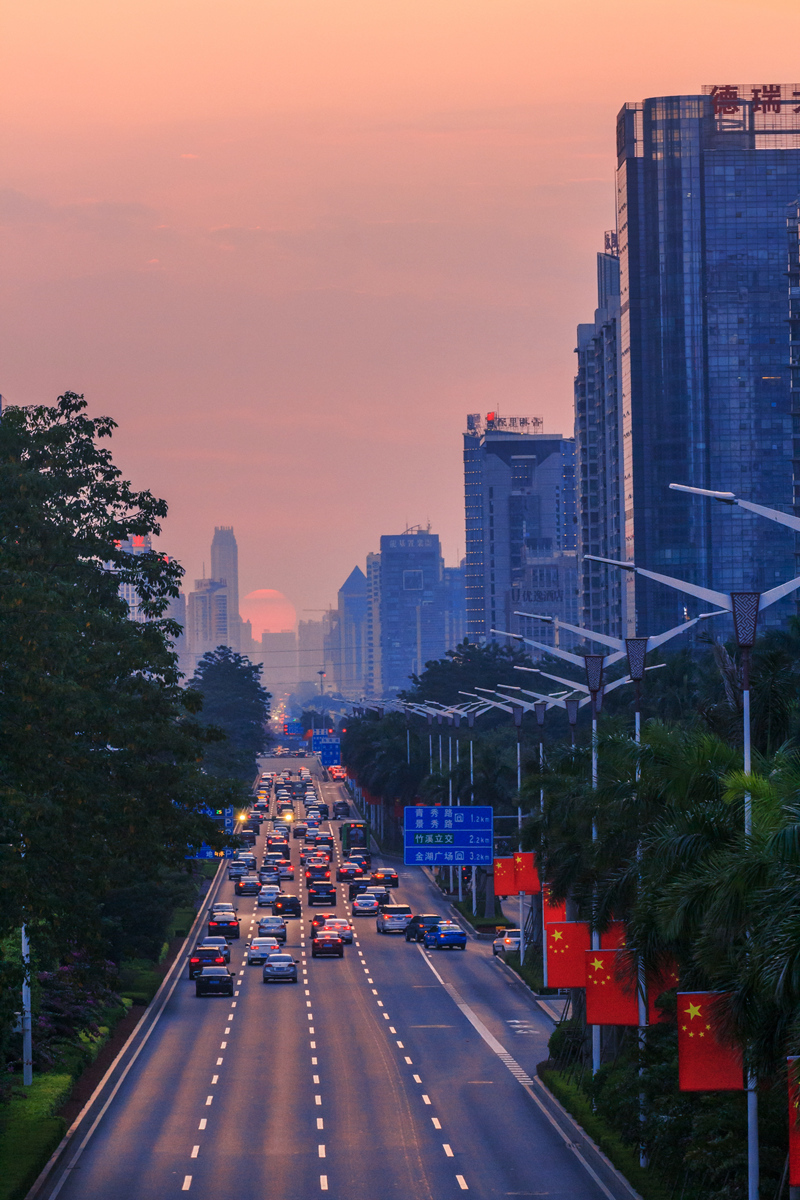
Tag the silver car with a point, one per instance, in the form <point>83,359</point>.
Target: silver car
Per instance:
<point>261,948</point>
<point>342,927</point>
<point>365,906</point>
<point>272,927</point>
<point>268,895</point>
<point>393,918</point>
<point>280,967</point>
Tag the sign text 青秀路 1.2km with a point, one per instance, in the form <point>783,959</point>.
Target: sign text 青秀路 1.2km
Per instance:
<point>437,836</point>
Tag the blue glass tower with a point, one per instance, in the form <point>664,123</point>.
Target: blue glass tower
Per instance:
<point>703,185</point>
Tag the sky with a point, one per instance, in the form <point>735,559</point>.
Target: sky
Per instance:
<point>289,244</point>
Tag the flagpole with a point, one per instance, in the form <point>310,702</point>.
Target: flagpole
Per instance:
<point>518,711</point>
<point>540,708</point>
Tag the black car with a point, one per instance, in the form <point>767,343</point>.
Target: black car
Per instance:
<point>299,829</point>
<point>327,943</point>
<point>417,926</point>
<point>204,956</point>
<point>248,885</point>
<point>324,811</point>
<point>247,837</point>
<point>321,893</point>
<point>386,876</point>
<point>318,920</point>
<point>357,886</point>
<point>223,924</point>
<point>341,810</point>
<point>214,981</point>
<point>287,906</point>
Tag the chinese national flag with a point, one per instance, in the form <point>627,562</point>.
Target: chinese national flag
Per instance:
<point>659,981</point>
<point>504,881</point>
<point>610,988</point>
<point>526,875</point>
<point>614,939</point>
<point>552,912</point>
<point>794,1129</point>
<point>705,1064</point>
<point>567,943</point>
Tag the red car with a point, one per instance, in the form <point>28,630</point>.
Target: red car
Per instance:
<point>326,942</point>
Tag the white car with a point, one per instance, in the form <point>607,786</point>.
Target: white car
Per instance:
<point>268,894</point>
<point>261,948</point>
<point>341,926</point>
<point>365,906</point>
<point>393,918</point>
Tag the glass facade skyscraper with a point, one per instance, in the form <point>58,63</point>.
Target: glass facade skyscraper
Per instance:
<point>703,186</point>
<point>521,526</point>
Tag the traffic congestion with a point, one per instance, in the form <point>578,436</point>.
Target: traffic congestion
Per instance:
<point>307,869</point>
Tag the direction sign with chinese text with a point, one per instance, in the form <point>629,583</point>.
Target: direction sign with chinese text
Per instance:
<point>437,836</point>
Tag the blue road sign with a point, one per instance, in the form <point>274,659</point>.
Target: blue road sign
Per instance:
<point>438,836</point>
<point>328,748</point>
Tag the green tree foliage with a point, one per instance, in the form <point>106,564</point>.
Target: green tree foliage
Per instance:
<point>235,702</point>
<point>100,777</point>
<point>465,668</point>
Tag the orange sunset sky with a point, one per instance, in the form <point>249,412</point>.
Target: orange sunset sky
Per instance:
<point>288,244</point>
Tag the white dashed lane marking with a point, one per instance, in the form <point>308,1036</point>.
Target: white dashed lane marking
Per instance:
<point>187,1183</point>
<point>195,1152</point>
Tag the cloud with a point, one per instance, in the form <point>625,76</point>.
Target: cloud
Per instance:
<point>18,208</point>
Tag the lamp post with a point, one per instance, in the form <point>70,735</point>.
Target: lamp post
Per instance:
<point>744,607</point>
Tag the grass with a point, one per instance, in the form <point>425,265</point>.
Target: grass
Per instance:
<point>625,1158</point>
<point>478,921</point>
<point>30,1132</point>
<point>139,980</point>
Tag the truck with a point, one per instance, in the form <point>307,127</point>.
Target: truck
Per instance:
<point>353,834</point>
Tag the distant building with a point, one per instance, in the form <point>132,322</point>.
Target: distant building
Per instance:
<point>345,638</point>
<point>521,526</point>
<point>598,452</point>
<point>310,651</point>
<point>412,605</point>
<point>176,607</point>
<point>225,569</point>
<point>206,619</point>
<point>373,678</point>
<point>279,656</point>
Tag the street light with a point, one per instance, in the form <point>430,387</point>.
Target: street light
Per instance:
<point>744,607</point>
<point>772,514</point>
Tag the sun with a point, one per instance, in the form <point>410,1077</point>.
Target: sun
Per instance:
<point>268,611</point>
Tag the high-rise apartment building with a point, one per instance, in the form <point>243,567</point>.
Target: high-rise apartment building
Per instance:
<point>412,605</point>
<point>598,453</point>
<point>521,526</point>
<point>310,651</point>
<point>225,568</point>
<point>703,186</point>
<point>374,679</point>
<point>346,632</point>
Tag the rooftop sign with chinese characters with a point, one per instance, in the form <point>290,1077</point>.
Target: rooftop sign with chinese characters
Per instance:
<point>476,423</point>
<point>760,108</point>
<point>437,836</point>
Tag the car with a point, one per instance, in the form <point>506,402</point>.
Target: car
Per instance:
<point>268,895</point>
<point>318,920</point>
<point>445,936</point>
<point>361,855</point>
<point>321,892</point>
<point>204,956</point>
<point>221,906</point>
<point>280,968</point>
<point>299,829</point>
<point>365,906</point>
<point>324,811</point>
<point>269,874</point>
<point>506,943</point>
<point>261,948</point>
<point>247,837</point>
<point>393,918</point>
<point>341,809</point>
<point>327,942</point>
<point>387,876</point>
<point>417,926</point>
<point>247,857</point>
<point>379,892</point>
<point>214,981</point>
<point>357,886</point>
<point>285,868</point>
<point>220,944</point>
<point>224,924</point>
<point>248,885</point>
<point>287,906</point>
<point>342,927</point>
<point>236,869</point>
<point>317,872</point>
<point>272,927</point>
<point>325,842</point>
<point>349,870</point>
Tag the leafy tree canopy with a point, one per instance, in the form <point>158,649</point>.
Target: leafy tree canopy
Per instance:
<point>235,702</point>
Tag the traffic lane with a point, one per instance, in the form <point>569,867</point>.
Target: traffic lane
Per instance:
<point>504,1004</point>
<point>501,1141</point>
<point>379,1137</point>
<point>142,1141</point>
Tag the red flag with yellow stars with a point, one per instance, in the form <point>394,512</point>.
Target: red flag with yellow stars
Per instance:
<point>705,1063</point>
<point>614,936</point>
<point>610,988</point>
<point>664,979</point>
<point>553,912</point>
<point>525,873</point>
<point>567,943</point>
<point>794,1127</point>
<point>504,881</point>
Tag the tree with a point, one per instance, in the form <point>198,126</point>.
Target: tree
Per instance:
<point>235,702</point>
<point>100,782</point>
<point>465,668</point>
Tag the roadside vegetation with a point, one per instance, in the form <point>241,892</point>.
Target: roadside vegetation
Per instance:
<point>669,858</point>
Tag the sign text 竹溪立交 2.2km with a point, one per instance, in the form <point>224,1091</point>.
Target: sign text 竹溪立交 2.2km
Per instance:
<point>436,836</point>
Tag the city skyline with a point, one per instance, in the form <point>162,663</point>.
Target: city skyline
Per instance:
<point>294,255</point>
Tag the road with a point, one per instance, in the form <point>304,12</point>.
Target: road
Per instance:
<point>393,1073</point>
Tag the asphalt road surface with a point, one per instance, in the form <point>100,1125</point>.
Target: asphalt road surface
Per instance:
<point>391,1074</point>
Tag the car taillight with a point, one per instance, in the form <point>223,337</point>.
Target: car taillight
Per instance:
<point>194,960</point>
<point>213,922</point>
<point>219,961</point>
